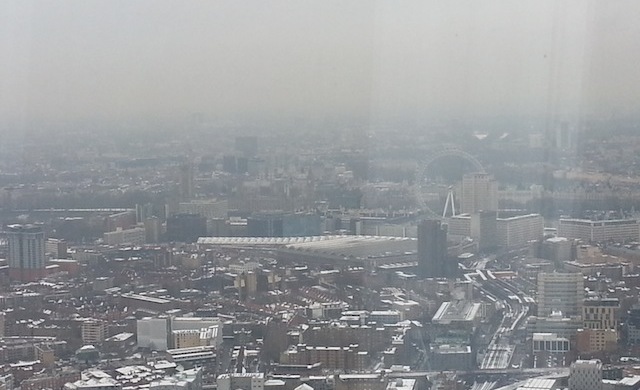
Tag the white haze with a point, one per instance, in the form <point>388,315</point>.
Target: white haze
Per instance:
<point>70,60</point>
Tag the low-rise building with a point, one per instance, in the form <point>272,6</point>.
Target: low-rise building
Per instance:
<point>135,236</point>
<point>243,381</point>
<point>360,382</point>
<point>550,343</point>
<point>182,380</point>
<point>331,357</point>
<point>458,314</point>
<point>566,327</point>
<point>193,356</point>
<point>596,340</point>
<point>55,381</point>
<point>94,380</point>
<point>121,344</point>
<point>452,357</point>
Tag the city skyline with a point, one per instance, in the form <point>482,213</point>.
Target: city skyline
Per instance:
<point>320,195</point>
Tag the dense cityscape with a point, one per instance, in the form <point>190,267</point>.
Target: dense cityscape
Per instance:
<point>319,195</point>
<point>347,259</point>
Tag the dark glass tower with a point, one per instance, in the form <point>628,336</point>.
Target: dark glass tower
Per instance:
<point>432,251</point>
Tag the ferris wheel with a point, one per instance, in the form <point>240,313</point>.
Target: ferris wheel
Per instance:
<point>431,187</point>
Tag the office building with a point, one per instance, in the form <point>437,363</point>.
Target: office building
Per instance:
<point>152,333</point>
<point>186,182</point>
<point>193,357</point>
<point>432,251</point>
<point>600,313</point>
<point>235,164</point>
<point>459,227</point>
<point>585,375</point>
<point>479,193</point>
<point>519,231</point>
<point>152,229</point>
<point>618,230</point>
<point>185,338</point>
<point>484,229</point>
<point>633,325</point>
<point>331,357</point>
<point>209,330</point>
<point>563,292</point>
<point>384,317</point>
<point>209,209</point>
<point>26,252</point>
<point>94,332</point>
<point>135,236</point>
<point>56,248</point>
<point>186,227</point>
<point>550,343</point>
<point>368,338</point>
<point>179,332</point>
<point>143,211</point>
<point>596,340</point>
<point>555,323</point>
<point>555,249</point>
<point>301,225</point>
<point>284,225</point>
<point>265,225</point>
<point>246,284</point>
<point>189,332</point>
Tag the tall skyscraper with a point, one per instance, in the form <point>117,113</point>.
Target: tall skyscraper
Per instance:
<point>479,193</point>
<point>26,252</point>
<point>564,135</point>
<point>186,181</point>
<point>560,292</point>
<point>432,251</point>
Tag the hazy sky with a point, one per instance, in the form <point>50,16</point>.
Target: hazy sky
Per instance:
<point>67,60</point>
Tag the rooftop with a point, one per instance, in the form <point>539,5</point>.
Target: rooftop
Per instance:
<point>539,384</point>
<point>401,384</point>
<point>259,375</point>
<point>456,311</point>
<point>358,247</point>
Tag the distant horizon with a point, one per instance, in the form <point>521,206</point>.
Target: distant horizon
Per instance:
<point>254,125</point>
